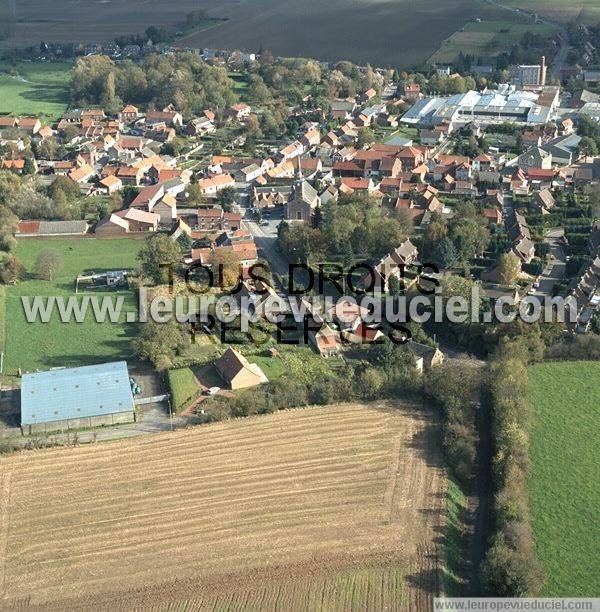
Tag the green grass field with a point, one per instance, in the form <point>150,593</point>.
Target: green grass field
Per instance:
<point>273,367</point>
<point>454,538</point>
<point>486,39</point>
<point>584,11</point>
<point>38,345</point>
<point>34,88</point>
<point>563,486</point>
<point>2,316</point>
<point>184,387</point>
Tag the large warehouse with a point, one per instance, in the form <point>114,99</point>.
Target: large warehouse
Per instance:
<point>506,104</point>
<point>71,398</point>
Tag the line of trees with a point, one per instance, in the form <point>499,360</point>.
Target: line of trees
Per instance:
<point>510,568</point>
<point>455,390</point>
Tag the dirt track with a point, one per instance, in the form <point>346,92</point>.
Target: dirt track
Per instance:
<point>326,507</point>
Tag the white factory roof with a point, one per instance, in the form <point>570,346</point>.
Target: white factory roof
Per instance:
<point>508,102</point>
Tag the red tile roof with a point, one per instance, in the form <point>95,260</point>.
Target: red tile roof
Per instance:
<point>29,227</point>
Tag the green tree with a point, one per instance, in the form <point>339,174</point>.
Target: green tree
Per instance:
<point>90,78</point>
<point>28,166</point>
<point>159,258</point>
<point>509,269</point>
<point>258,92</point>
<point>9,224</point>
<point>226,198</point>
<point>11,270</point>
<point>470,238</point>
<point>63,186</point>
<point>445,254</point>
<point>364,137</point>
<point>594,199</point>
<point>161,342</point>
<point>587,147</point>
<point>435,231</point>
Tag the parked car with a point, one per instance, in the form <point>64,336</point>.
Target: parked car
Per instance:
<point>213,390</point>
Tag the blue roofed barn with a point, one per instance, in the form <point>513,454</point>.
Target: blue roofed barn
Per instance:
<point>70,398</point>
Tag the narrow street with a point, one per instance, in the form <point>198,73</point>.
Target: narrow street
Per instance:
<point>556,270</point>
<point>266,240</point>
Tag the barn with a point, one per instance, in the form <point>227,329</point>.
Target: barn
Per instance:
<point>71,398</point>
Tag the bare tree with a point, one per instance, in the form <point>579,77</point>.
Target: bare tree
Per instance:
<point>47,264</point>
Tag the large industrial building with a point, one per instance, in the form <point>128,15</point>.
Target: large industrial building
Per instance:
<point>71,398</point>
<point>505,104</point>
<point>529,75</point>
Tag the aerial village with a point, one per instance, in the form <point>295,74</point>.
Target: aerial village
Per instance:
<point>471,182</point>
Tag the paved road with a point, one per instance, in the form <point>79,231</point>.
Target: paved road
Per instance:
<point>508,209</point>
<point>266,242</point>
<point>557,269</point>
<point>561,56</point>
<point>554,272</point>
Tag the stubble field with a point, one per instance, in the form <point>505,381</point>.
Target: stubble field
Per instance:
<point>332,508</point>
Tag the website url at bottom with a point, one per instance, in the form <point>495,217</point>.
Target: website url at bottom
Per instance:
<point>477,604</point>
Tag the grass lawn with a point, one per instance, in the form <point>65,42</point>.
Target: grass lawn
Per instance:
<point>403,132</point>
<point>38,345</point>
<point>240,83</point>
<point>486,39</point>
<point>454,538</point>
<point>2,316</point>
<point>273,367</point>
<point>184,387</point>
<point>563,486</point>
<point>35,88</point>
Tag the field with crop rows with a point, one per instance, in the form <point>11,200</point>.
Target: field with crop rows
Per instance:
<point>338,506</point>
<point>400,33</point>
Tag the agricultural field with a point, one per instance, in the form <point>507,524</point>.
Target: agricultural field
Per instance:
<point>383,33</point>
<point>38,345</point>
<point>486,39</point>
<point>564,494</point>
<point>337,507</point>
<point>35,88</point>
<point>584,11</point>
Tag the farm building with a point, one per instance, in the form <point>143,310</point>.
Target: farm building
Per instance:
<point>71,398</point>
<point>238,372</point>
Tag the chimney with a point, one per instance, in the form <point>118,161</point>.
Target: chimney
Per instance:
<point>543,71</point>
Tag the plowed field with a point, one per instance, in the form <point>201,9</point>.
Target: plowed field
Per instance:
<point>322,508</point>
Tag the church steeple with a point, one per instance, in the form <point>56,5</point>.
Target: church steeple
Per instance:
<point>299,175</point>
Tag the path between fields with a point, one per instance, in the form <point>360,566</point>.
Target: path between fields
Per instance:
<point>480,501</point>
